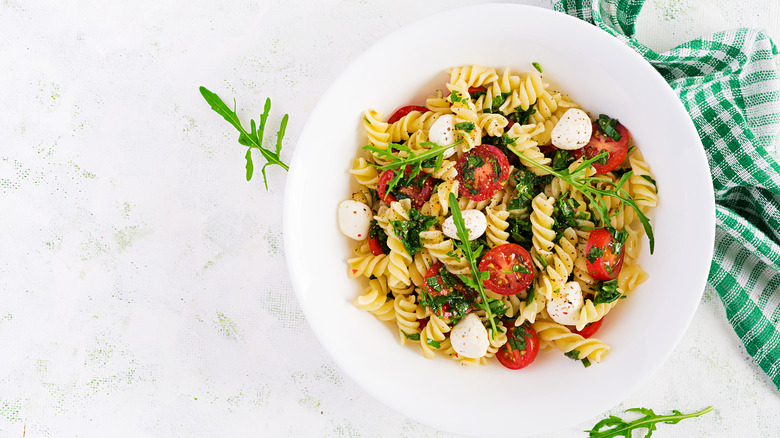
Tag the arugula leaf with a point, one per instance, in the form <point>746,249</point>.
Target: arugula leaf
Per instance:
<point>562,159</point>
<point>408,232</point>
<point>471,255</point>
<point>607,126</point>
<point>254,138</point>
<point>434,152</point>
<point>615,426</point>
<point>579,181</point>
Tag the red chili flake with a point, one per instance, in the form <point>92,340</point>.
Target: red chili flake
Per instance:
<point>354,271</point>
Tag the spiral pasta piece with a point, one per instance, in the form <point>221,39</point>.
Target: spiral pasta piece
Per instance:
<point>631,276</point>
<point>593,312</point>
<point>376,129</point>
<point>399,261</point>
<point>593,349</point>
<point>541,226</point>
<point>642,189</point>
<point>364,173</point>
<point>496,340</point>
<point>412,122</point>
<point>405,308</point>
<point>522,138</point>
<point>496,227</point>
<point>472,75</point>
<point>376,301</point>
<point>433,335</point>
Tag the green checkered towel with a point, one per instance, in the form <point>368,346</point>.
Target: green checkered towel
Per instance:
<point>729,84</point>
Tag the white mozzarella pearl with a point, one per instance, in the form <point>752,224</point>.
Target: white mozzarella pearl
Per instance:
<point>474,220</point>
<point>469,338</point>
<point>565,305</point>
<point>354,219</point>
<point>573,130</point>
<point>442,132</point>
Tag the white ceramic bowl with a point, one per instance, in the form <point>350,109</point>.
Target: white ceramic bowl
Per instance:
<point>601,74</point>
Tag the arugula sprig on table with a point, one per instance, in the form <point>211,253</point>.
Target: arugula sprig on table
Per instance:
<point>471,255</point>
<point>577,178</point>
<point>615,426</point>
<point>253,138</point>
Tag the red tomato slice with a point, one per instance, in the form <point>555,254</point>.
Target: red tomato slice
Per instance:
<point>590,329</point>
<point>375,246</point>
<point>473,90</point>
<point>603,262</point>
<point>404,110</point>
<point>506,264</point>
<point>521,347</point>
<point>482,171</point>
<point>439,281</point>
<point>599,142</point>
<point>416,191</point>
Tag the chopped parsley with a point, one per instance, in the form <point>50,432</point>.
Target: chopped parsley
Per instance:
<point>408,232</point>
<point>465,126</point>
<point>455,97</point>
<point>412,337</point>
<point>607,126</point>
<point>594,253</point>
<point>521,115</point>
<point>606,292</point>
<point>537,67</point>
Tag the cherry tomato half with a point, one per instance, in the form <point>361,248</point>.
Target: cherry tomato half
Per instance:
<point>375,246</point>
<point>418,189</point>
<point>482,171</point>
<point>590,329</point>
<point>603,255</point>
<point>599,142</point>
<point>439,281</point>
<point>521,347</point>
<point>510,267</point>
<point>404,110</point>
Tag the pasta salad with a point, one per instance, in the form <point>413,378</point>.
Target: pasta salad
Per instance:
<point>497,219</point>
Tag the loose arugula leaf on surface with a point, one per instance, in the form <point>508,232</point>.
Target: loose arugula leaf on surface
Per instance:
<point>615,426</point>
<point>254,138</point>
<point>579,181</point>
<point>408,232</point>
<point>471,255</point>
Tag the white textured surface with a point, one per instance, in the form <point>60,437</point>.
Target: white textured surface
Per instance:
<point>143,289</point>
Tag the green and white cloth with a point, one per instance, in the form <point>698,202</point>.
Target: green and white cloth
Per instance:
<point>729,84</point>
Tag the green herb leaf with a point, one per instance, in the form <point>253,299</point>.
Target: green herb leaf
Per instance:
<point>378,233</point>
<point>607,126</point>
<point>537,67</point>
<point>412,337</point>
<point>573,354</point>
<point>652,181</point>
<point>432,343</point>
<point>455,97</point>
<point>254,138</point>
<point>615,426</point>
<point>465,126</point>
<point>408,231</point>
<point>521,115</point>
<point>606,292</point>
<point>594,253</point>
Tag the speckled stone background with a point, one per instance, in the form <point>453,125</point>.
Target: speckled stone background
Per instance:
<point>143,285</point>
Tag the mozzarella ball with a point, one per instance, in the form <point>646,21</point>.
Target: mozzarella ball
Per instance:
<point>573,130</point>
<point>469,338</point>
<point>442,132</point>
<point>565,305</point>
<point>354,219</point>
<point>474,220</point>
